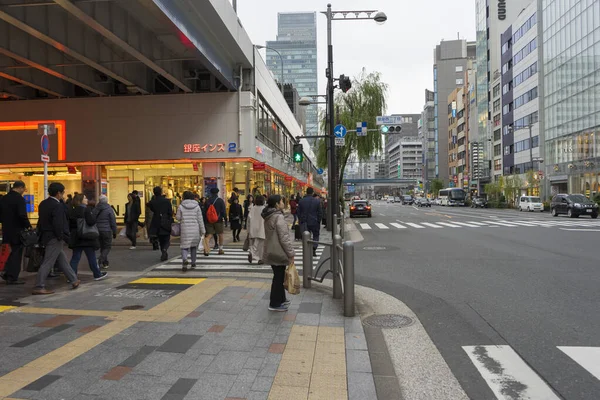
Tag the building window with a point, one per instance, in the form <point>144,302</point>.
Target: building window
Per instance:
<point>498,150</point>
<point>507,108</point>
<point>506,150</point>
<point>497,105</point>
<point>526,97</point>
<point>497,135</point>
<point>497,120</point>
<point>496,91</point>
<point>459,81</point>
<point>497,165</point>
<point>458,68</point>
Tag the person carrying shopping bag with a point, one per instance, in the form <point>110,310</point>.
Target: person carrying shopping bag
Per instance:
<point>256,230</point>
<point>189,215</point>
<point>279,250</point>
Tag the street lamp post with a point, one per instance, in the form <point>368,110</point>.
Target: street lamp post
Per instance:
<point>280,57</point>
<point>380,18</point>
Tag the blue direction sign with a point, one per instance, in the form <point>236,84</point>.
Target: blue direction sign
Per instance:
<point>340,131</point>
<point>45,144</point>
<point>320,171</point>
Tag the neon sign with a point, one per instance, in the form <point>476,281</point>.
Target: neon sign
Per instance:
<point>207,148</point>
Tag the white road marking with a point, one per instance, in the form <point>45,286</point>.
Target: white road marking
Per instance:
<point>414,225</point>
<point>365,226</point>
<point>477,223</point>
<point>383,215</point>
<point>449,224</point>
<point>580,230</point>
<point>381,226</point>
<point>395,225</point>
<point>465,224</point>
<point>507,374</point>
<point>587,357</point>
<point>431,225</point>
<point>516,223</point>
<point>500,223</point>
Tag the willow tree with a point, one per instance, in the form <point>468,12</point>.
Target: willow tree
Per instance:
<point>363,103</point>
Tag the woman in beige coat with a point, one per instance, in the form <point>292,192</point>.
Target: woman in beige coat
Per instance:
<point>256,230</point>
<point>279,250</point>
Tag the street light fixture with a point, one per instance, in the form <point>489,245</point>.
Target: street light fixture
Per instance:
<point>258,46</point>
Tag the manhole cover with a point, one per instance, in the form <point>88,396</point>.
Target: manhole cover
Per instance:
<point>388,321</point>
<point>374,248</point>
<point>134,307</point>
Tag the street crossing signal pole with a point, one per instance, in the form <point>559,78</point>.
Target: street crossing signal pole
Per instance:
<point>331,164</point>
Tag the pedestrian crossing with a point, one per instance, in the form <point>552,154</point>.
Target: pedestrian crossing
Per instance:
<point>566,223</point>
<point>510,377</point>
<point>234,259</point>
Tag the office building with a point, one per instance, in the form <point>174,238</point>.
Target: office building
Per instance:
<point>450,64</point>
<point>297,44</point>
<point>520,150</point>
<point>427,135</point>
<point>410,128</point>
<point>571,95</point>
<point>457,139</point>
<point>406,159</point>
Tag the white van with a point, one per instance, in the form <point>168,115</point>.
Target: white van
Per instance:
<point>530,203</point>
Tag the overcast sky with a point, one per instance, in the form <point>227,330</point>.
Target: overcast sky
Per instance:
<point>401,49</point>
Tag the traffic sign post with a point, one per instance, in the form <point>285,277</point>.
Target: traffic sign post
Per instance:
<point>390,120</point>
<point>45,130</point>
<point>340,141</point>
<point>361,129</point>
<point>340,131</point>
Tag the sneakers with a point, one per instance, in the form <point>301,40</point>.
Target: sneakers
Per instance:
<point>221,252</point>
<point>286,303</point>
<point>250,258</point>
<point>102,276</point>
<point>184,266</point>
<point>281,308</point>
<point>193,266</point>
<point>132,248</point>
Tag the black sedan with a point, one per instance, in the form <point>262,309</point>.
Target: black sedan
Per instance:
<point>360,208</point>
<point>479,202</point>
<point>422,202</point>
<point>573,205</point>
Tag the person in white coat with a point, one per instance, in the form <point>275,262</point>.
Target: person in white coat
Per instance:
<point>256,230</point>
<point>189,215</point>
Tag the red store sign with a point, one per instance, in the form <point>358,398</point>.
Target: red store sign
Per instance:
<point>259,166</point>
<point>289,179</point>
<point>207,148</point>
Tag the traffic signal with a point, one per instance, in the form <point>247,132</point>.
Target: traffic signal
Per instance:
<point>390,129</point>
<point>345,83</point>
<point>298,153</point>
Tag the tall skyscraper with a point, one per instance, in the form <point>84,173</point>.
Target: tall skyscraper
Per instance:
<point>297,44</point>
<point>427,135</point>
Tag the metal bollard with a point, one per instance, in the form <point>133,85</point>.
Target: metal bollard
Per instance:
<point>348,279</point>
<point>335,267</point>
<point>307,260</point>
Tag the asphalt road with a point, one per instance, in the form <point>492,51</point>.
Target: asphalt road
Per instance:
<point>498,291</point>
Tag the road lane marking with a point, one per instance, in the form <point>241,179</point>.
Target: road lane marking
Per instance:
<point>431,225</point>
<point>587,357</point>
<point>414,225</point>
<point>465,224</point>
<point>519,223</point>
<point>395,225</point>
<point>579,230</point>
<point>450,225</point>
<point>381,226</point>
<point>477,223</point>
<point>507,374</point>
<point>365,226</point>
<point>500,223</point>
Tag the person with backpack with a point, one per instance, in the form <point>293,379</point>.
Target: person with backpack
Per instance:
<point>215,215</point>
<point>162,219</point>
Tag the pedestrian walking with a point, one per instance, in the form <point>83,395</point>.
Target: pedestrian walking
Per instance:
<point>132,216</point>
<point>13,215</point>
<point>278,251</point>
<point>106,221</point>
<point>214,228</point>
<point>161,221</point>
<point>54,230</point>
<point>153,239</point>
<point>293,210</point>
<point>248,203</point>
<point>235,218</point>
<point>256,230</point>
<point>204,206</point>
<point>189,215</point>
<point>310,215</point>
<point>83,213</point>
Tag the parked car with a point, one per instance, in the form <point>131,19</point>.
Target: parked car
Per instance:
<point>573,205</point>
<point>389,199</point>
<point>479,202</point>
<point>397,199</point>
<point>530,203</point>
<point>360,208</point>
<point>407,200</point>
<point>423,202</point>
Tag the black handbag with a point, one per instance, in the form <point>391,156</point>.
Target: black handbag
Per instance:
<point>36,257</point>
<point>165,222</point>
<point>29,237</point>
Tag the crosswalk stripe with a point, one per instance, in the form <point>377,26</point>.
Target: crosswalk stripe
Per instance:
<point>465,224</point>
<point>395,225</point>
<point>477,223</point>
<point>505,372</point>
<point>414,225</point>
<point>365,226</point>
<point>381,226</point>
<point>587,357</point>
<point>500,223</point>
<point>431,225</point>
<point>449,224</point>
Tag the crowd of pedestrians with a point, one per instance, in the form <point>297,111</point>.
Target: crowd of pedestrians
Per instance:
<point>89,228</point>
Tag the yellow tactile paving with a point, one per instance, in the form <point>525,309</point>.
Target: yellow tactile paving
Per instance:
<point>169,281</point>
<point>171,310</point>
<point>65,311</point>
<point>313,365</point>
<point>6,308</point>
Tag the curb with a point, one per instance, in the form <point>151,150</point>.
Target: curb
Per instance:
<point>352,233</point>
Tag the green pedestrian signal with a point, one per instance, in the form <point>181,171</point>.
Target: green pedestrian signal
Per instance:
<point>298,153</point>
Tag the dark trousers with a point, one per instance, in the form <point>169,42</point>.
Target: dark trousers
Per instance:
<point>295,219</point>
<point>277,289</point>
<point>131,231</point>
<point>105,246</point>
<point>164,242</point>
<point>13,263</point>
<point>90,254</point>
<point>315,230</point>
<point>236,233</point>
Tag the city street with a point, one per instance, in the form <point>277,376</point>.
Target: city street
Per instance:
<point>491,286</point>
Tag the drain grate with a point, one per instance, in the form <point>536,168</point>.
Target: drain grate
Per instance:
<point>388,321</point>
<point>134,307</point>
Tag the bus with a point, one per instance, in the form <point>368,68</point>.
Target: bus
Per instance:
<point>452,197</point>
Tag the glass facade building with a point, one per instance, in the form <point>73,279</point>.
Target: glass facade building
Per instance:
<point>571,66</point>
<point>297,44</point>
<point>482,90</point>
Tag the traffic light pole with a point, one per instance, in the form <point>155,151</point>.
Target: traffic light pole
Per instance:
<point>332,207</point>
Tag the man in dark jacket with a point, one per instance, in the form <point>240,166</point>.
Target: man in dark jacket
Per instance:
<point>13,215</point>
<point>160,226</point>
<point>106,222</point>
<point>310,214</point>
<point>54,230</point>
<point>217,227</point>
